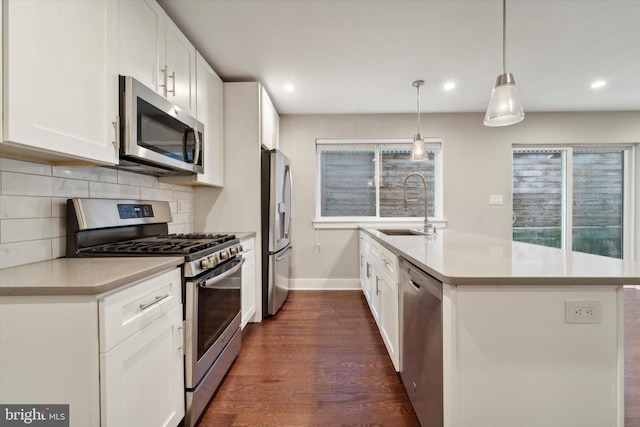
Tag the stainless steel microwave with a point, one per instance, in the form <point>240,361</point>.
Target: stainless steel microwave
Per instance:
<point>157,137</point>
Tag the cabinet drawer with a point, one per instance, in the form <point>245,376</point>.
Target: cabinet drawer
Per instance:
<point>126,312</point>
<point>389,262</point>
<point>386,260</point>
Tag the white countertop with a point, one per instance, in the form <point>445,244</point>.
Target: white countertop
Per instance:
<point>80,276</point>
<point>460,258</point>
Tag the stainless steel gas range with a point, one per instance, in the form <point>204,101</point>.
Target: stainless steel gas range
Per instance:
<point>211,280</point>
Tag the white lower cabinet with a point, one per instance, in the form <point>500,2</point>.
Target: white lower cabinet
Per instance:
<point>116,359</point>
<point>379,279</point>
<point>141,353</point>
<point>364,253</point>
<point>375,296</point>
<point>248,281</point>
<point>141,379</point>
<point>389,317</point>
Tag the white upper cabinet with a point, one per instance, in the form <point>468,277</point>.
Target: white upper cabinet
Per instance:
<point>142,40</point>
<point>209,100</point>
<point>209,103</point>
<point>180,70</point>
<point>154,51</point>
<point>269,121</point>
<point>61,78</point>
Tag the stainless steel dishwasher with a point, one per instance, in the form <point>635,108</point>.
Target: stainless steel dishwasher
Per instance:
<point>421,342</point>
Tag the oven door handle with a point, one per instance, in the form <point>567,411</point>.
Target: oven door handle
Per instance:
<point>217,279</point>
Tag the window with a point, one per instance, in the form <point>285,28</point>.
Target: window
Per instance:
<point>363,179</point>
<point>575,197</point>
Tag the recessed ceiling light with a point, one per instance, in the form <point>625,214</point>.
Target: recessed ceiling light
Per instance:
<point>449,86</point>
<point>598,84</point>
<point>289,88</point>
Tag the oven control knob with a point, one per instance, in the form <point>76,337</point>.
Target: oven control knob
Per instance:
<point>234,250</point>
<point>224,255</point>
<point>206,263</point>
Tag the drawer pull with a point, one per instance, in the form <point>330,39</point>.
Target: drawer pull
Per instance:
<point>155,301</point>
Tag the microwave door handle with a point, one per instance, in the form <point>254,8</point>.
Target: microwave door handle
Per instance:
<point>198,146</point>
<point>185,136</point>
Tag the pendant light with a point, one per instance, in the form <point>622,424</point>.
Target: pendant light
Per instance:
<point>418,150</point>
<point>504,107</point>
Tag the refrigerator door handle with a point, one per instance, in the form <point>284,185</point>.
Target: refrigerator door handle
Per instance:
<point>284,254</point>
<point>287,209</point>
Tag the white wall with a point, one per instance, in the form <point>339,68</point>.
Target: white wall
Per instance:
<point>477,163</point>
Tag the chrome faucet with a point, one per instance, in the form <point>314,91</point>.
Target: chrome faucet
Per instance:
<point>427,227</point>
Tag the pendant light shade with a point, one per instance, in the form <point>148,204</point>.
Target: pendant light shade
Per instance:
<point>418,149</point>
<point>504,106</point>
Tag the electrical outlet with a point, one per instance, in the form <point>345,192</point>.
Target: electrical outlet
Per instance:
<point>583,311</point>
<point>495,199</point>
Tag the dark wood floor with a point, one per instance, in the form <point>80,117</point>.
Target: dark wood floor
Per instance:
<point>321,362</point>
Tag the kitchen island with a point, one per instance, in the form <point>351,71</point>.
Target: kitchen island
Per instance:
<point>531,336</point>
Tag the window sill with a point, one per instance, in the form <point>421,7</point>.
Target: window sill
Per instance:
<point>355,223</point>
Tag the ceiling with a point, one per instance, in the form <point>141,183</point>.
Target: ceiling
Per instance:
<point>361,56</point>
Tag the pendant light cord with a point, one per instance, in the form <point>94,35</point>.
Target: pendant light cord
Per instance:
<point>504,36</point>
<point>418,87</point>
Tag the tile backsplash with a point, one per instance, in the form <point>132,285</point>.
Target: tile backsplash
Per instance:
<point>33,201</point>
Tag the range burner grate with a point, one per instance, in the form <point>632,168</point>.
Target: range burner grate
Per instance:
<point>170,244</point>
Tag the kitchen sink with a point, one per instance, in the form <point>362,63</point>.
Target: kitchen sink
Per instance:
<point>403,232</point>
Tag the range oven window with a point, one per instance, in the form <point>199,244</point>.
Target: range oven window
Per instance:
<point>218,304</point>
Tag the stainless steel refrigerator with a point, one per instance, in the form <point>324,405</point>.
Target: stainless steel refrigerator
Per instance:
<point>276,230</point>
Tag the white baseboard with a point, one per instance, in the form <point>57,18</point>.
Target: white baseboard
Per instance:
<point>324,284</point>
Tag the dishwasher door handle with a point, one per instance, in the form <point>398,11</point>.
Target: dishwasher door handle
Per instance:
<point>428,286</point>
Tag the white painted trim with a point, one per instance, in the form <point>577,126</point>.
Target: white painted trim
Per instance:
<point>631,239</point>
<point>375,223</point>
<point>349,284</point>
<point>629,214</point>
<point>432,143</point>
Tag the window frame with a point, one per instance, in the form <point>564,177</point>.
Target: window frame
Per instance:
<point>435,144</point>
<point>628,190</point>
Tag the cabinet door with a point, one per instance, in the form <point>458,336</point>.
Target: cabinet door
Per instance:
<point>209,105</point>
<point>180,68</point>
<point>375,293</point>
<point>61,91</point>
<point>268,130</point>
<point>248,282</point>
<point>389,318</point>
<point>142,379</point>
<point>141,26</point>
<point>363,264</point>
<point>210,112</point>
